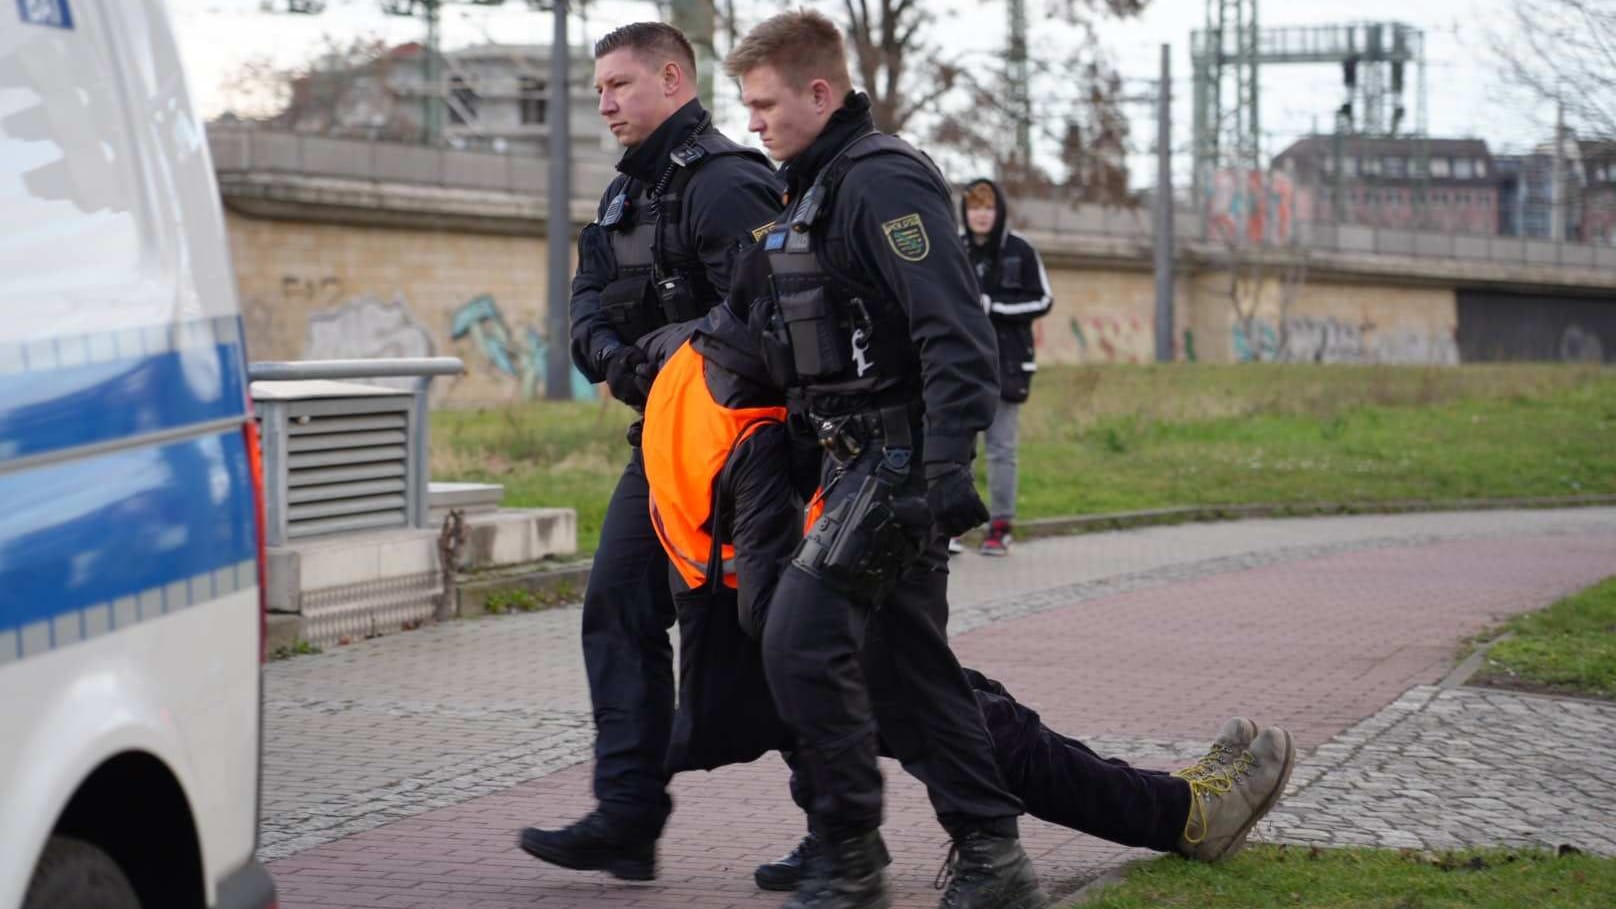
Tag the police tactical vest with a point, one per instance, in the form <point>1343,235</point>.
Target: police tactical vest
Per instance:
<point>659,277</point>
<point>688,439</point>
<point>830,332</point>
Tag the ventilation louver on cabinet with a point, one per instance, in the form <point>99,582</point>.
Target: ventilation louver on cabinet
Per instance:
<point>348,472</point>
<point>339,464</point>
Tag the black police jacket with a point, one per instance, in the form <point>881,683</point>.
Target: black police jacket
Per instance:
<point>1016,291</point>
<point>889,225</point>
<point>728,200</point>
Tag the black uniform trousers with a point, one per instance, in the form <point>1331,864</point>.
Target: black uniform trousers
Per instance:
<point>628,657</point>
<point>841,669</point>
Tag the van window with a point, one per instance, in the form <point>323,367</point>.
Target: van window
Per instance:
<point>70,218</point>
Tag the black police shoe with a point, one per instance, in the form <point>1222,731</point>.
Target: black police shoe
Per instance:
<point>595,843</point>
<point>786,872</point>
<point>985,871</point>
<point>847,873</point>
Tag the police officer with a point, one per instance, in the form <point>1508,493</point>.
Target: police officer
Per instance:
<point>869,313</point>
<point>660,250</point>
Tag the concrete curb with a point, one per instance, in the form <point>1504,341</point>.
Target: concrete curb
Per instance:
<point>1075,524</point>
<point>1110,878</point>
<point>548,579</point>
<point>1470,665</point>
<point>551,584</point>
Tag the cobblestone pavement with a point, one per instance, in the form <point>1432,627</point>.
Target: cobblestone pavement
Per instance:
<point>1466,767</point>
<point>1141,641</point>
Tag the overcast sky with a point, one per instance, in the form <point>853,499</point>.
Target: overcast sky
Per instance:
<point>1465,97</point>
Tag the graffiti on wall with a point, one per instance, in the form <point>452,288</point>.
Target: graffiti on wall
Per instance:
<point>366,327</point>
<point>481,325</point>
<point>1112,339</point>
<point>1326,339</point>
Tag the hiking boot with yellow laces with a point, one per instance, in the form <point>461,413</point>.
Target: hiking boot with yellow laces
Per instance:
<point>1226,801</point>
<point>1233,737</point>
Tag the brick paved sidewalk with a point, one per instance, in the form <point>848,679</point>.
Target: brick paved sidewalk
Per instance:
<point>1319,642</point>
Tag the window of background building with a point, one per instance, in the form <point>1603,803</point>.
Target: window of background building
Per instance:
<point>1349,164</point>
<point>463,101</point>
<point>1371,167</point>
<point>1396,166</point>
<point>1439,167</point>
<point>1463,168</point>
<point>1481,167</point>
<point>1328,164</point>
<point>531,99</point>
<point>1416,167</point>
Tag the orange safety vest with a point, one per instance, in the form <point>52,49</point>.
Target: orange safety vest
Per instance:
<point>686,441</point>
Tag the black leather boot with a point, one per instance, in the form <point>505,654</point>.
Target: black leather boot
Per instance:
<point>987,871</point>
<point>595,843</point>
<point>787,871</point>
<point>846,873</point>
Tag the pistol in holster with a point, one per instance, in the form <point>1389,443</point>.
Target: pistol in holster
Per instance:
<point>862,544</point>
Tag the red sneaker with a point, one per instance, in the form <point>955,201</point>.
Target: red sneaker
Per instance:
<point>997,542</point>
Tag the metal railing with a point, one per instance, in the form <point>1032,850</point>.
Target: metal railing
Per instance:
<point>355,430</point>
<point>1134,225</point>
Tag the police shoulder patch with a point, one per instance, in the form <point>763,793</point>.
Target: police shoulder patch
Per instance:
<point>907,237</point>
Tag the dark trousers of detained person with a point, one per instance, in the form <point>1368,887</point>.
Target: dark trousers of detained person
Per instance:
<point>628,658</point>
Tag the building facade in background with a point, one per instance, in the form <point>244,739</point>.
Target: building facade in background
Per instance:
<point>1411,183</point>
<point>492,97</point>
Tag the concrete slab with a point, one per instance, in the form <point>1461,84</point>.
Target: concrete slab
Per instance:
<point>313,565</point>
<point>514,536</point>
<point>470,498</point>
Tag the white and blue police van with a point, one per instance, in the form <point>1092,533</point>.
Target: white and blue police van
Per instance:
<point>131,621</point>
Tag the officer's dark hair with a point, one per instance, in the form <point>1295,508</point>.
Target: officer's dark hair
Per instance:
<point>656,42</point>
<point>803,45</point>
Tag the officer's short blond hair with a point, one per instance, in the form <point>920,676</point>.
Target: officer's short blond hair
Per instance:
<point>803,45</point>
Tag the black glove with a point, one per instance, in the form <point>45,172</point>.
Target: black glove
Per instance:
<point>628,375</point>
<point>951,493</point>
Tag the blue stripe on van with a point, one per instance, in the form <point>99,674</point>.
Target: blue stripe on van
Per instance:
<point>101,529</point>
<point>63,393</point>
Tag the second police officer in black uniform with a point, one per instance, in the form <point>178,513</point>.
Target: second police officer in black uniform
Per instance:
<point>669,226</point>
<point>870,317</point>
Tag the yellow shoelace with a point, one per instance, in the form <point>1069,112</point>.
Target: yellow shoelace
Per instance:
<point>1208,783</point>
<point>1211,763</point>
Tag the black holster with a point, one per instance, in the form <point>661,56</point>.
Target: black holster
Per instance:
<point>865,541</point>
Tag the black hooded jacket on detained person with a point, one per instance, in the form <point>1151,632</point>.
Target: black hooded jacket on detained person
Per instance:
<point>1017,291</point>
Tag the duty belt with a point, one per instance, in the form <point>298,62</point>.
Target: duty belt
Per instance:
<point>847,435</point>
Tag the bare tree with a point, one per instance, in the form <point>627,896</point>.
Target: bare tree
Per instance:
<point>897,64</point>
<point>1565,51</point>
<point>969,108</point>
<point>1257,256</point>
